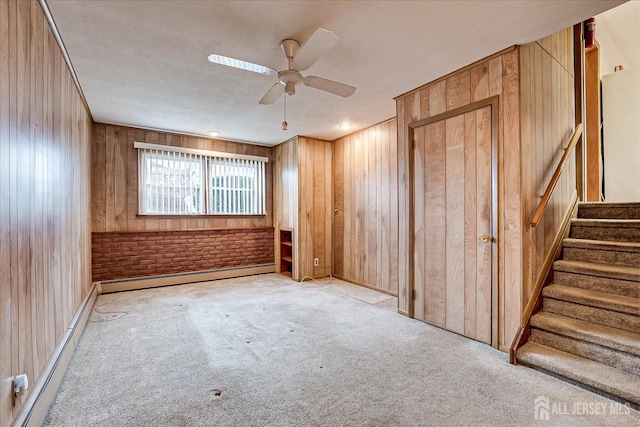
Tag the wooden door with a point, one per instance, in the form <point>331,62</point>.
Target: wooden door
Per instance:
<point>452,225</point>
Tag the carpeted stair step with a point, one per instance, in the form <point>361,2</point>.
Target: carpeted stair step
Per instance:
<point>598,251</point>
<point>609,210</point>
<point>579,370</point>
<point>619,230</point>
<point>591,313</point>
<point>591,298</point>
<point>614,347</point>
<point>607,278</point>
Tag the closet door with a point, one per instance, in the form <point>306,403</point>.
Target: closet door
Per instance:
<point>452,233</point>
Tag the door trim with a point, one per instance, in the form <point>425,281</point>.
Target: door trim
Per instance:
<point>494,103</point>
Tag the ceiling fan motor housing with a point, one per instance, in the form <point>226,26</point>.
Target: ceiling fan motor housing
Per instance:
<point>289,78</point>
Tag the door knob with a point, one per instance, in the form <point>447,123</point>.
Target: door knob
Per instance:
<point>484,238</point>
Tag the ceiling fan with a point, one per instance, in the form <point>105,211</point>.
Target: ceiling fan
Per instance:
<point>300,59</point>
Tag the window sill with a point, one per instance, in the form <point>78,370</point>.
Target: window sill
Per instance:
<point>171,216</point>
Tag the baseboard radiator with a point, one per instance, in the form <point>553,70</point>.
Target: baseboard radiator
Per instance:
<point>130,284</point>
<point>37,405</point>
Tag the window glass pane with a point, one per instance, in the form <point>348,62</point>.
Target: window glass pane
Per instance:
<point>233,187</point>
<point>172,183</point>
<point>186,183</point>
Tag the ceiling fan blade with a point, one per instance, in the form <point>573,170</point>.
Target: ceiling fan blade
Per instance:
<point>243,65</point>
<point>330,86</point>
<point>272,94</point>
<point>318,44</point>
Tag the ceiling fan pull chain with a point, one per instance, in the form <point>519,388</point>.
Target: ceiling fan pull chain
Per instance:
<point>284,123</point>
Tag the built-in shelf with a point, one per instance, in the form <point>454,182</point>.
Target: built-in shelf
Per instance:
<point>286,252</point>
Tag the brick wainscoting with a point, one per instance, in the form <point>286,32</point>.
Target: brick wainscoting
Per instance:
<point>120,255</point>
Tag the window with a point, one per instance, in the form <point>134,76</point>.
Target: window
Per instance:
<point>184,181</point>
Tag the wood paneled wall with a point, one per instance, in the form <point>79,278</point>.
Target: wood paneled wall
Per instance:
<point>44,198</point>
<point>302,202</point>
<point>315,199</point>
<point>114,181</point>
<point>547,113</point>
<point>365,233</point>
<point>285,196</point>
<point>497,75</point>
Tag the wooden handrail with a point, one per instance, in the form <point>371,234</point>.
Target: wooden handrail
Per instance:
<point>537,215</point>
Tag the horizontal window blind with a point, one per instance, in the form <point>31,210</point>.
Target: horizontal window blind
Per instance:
<point>171,183</point>
<point>193,182</point>
<point>237,186</point>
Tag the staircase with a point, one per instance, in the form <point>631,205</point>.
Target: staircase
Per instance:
<point>588,331</point>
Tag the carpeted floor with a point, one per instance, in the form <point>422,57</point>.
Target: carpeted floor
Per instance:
<point>268,351</point>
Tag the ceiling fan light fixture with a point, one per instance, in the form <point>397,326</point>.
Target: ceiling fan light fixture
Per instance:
<point>213,133</point>
<point>345,126</point>
<point>290,88</point>
<point>243,65</point>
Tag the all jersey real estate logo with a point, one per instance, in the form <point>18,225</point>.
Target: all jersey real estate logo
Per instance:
<point>541,411</point>
<point>544,408</point>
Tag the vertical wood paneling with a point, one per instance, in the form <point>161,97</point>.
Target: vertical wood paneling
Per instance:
<point>359,190</point>
<point>372,222</point>
<point>366,196</point>
<point>338,208</point>
<point>454,234</point>
<point>547,118</point>
<point>421,224</point>
<point>44,197</point>
<point>303,199</point>
<point>315,195</point>
<point>512,233</point>
<point>458,90</point>
<point>394,207</point>
<point>25,175</point>
<point>6,301</point>
<point>346,211</point>
<point>367,212</point>
<point>114,181</point>
<point>384,208</point>
<point>497,76</point>
<point>434,206</point>
<point>404,231</point>
<point>471,217</point>
<point>479,82</point>
<point>484,288</point>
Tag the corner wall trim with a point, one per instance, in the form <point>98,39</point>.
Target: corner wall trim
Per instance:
<point>109,286</point>
<point>36,407</point>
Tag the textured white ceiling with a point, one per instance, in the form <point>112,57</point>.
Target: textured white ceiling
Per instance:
<point>144,63</point>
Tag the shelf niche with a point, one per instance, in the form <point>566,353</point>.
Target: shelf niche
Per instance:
<point>286,252</point>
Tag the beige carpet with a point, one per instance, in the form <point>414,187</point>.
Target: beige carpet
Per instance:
<point>268,351</point>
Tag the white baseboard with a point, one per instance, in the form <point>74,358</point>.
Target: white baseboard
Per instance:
<point>108,286</point>
<point>36,407</point>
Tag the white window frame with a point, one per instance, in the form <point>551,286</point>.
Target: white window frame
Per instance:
<point>234,195</point>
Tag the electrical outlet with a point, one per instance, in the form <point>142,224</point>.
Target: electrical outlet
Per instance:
<point>316,262</point>
<point>20,384</point>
